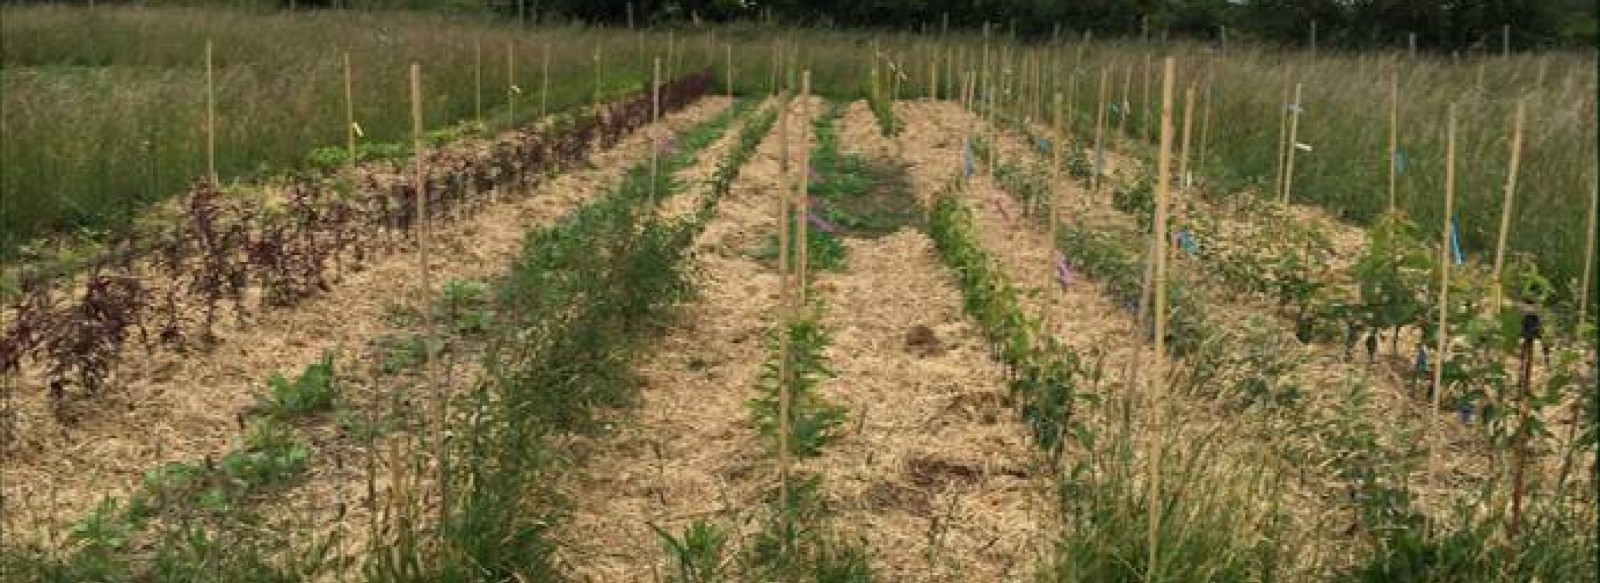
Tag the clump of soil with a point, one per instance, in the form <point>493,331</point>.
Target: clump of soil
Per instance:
<point>921,341</point>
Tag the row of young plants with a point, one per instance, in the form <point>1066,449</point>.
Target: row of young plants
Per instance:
<point>209,528</point>
<point>221,245</point>
<point>1100,497</point>
<point>582,300</point>
<point>1388,293</point>
<point>1397,531</point>
<point>795,541</point>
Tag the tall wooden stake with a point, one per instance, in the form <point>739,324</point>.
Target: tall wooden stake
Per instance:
<point>1588,256</point>
<point>211,119</point>
<point>597,77</point>
<point>419,145</point>
<point>420,183</point>
<point>511,85</point>
<point>1292,145</point>
<point>1127,103</point>
<point>1441,355</point>
<point>728,70</point>
<point>1283,136</point>
<point>785,317</point>
<point>1506,208</point>
<point>544,82</point>
<point>802,194</point>
<point>1158,374</point>
<point>1188,126</point>
<point>655,116</point>
<point>1520,444</point>
<point>1394,135</point>
<point>1058,155</point>
<point>1210,98</point>
<point>477,79</point>
<point>349,113</point>
<point>1144,101</point>
<point>1098,164</point>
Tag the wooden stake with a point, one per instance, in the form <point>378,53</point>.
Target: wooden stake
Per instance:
<point>728,71</point>
<point>1188,125</point>
<point>1144,101</point>
<point>1394,135</point>
<point>598,74</point>
<point>349,113</point>
<point>1057,151</point>
<point>1520,444</point>
<point>1127,104</point>
<point>1100,131</point>
<point>1158,375</point>
<point>1506,208</point>
<point>1588,257</point>
<point>419,148</point>
<point>511,84</point>
<point>1283,136</point>
<point>544,82</point>
<point>802,194</point>
<point>1293,145</point>
<point>477,79</point>
<point>1205,116</point>
<point>1440,352</point>
<point>655,116</point>
<point>420,183</point>
<point>211,119</point>
<point>786,314</point>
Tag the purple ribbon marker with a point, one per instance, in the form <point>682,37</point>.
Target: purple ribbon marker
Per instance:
<point>1064,273</point>
<point>821,224</point>
<point>1000,206</point>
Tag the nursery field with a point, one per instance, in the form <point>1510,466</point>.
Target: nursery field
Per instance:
<point>381,296</point>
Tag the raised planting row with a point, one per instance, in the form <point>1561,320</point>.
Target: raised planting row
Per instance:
<point>580,303</point>
<point>169,287</point>
<point>1100,494</point>
<point>1385,289</point>
<point>1374,472</point>
<point>208,524</point>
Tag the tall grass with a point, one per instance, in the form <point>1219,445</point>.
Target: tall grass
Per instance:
<point>104,110</point>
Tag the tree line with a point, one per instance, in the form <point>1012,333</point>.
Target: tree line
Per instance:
<point>1438,25</point>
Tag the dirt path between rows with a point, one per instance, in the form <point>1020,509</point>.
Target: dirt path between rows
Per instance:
<point>938,477</point>
<point>688,451</point>
<point>184,407</point>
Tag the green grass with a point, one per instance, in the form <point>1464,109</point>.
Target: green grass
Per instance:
<point>104,111</point>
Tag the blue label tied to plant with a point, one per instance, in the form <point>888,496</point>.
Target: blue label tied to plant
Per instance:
<point>1297,109</point>
<point>966,155</point>
<point>1044,145</point>
<point>1422,360</point>
<point>1186,242</point>
<point>1455,241</point>
<point>1399,161</point>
